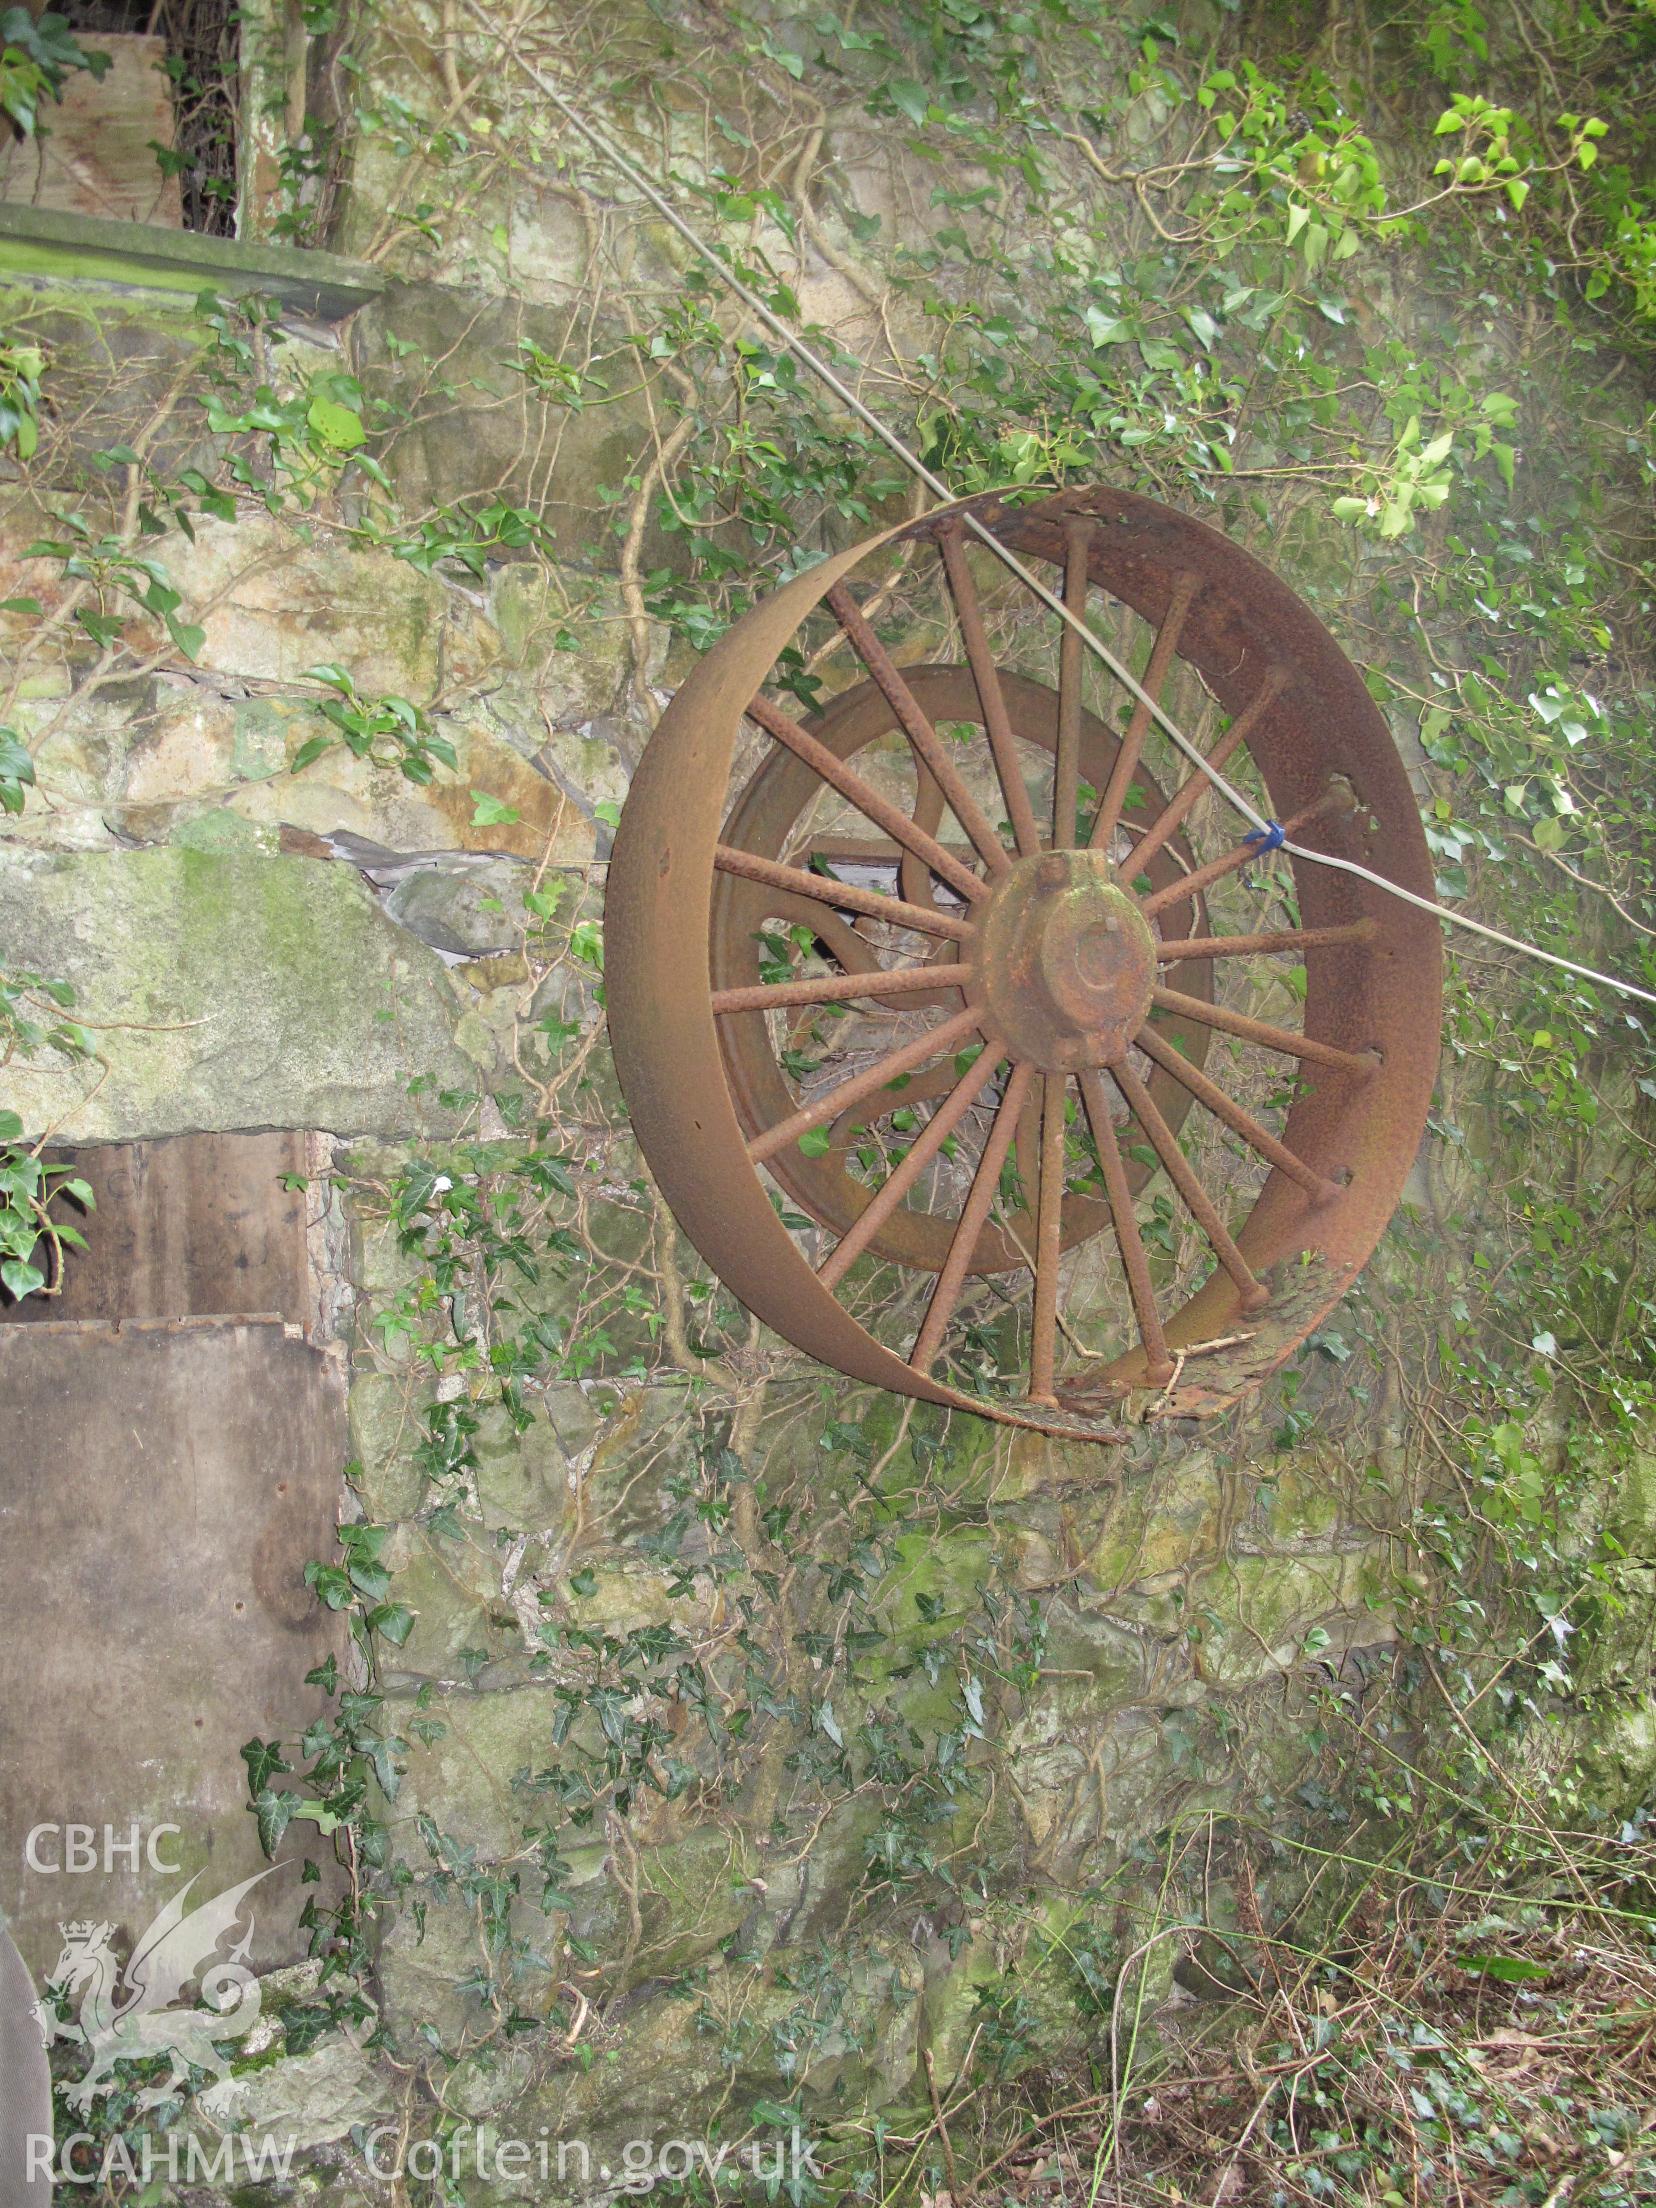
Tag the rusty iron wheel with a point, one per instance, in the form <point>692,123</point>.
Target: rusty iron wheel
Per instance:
<point>946,998</point>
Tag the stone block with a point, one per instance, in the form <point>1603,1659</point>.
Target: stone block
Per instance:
<point>226,992</point>
<point>498,437</point>
<point>463,1778</point>
<point>314,2098</point>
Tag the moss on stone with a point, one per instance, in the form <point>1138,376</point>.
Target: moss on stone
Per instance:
<point>270,992</point>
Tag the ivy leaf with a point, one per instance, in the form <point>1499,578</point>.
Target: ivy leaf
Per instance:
<point>910,98</point>
<point>329,1584</point>
<point>304,2027</point>
<point>372,1580</point>
<point>275,1814</point>
<point>16,770</point>
<point>773,2112</point>
<point>491,813</point>
<point>1510,1969</point>
<point>1106,329</point>
<point>102,628</point>
<point>312,748</point>
<point>1205,327</point>
<point>264,1762</point>
<point>336,425</point>
<point>378,1752</point>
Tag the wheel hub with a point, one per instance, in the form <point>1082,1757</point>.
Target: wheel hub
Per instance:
<point>1065,962</point>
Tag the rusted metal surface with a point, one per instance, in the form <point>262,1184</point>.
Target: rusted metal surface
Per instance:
<point>1065,963</point>
<point>1037,945</point>
<point>766,820</point>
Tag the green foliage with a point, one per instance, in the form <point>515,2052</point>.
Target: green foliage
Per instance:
<point>389,731</point>
<point>115,572</point>
<point>16,771</point>
<point>34,1230</point>
<point>37,53</point>
<point>34,1018</point>
<point>27,1191</point>
<point>21,368</point>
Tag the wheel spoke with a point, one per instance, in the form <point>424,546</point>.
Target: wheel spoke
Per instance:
<point>1176,810</point>
<point>1066,770</point>
<point>1049,1242</point>
<point>1111,805</point>
<point>1236,1116</point>
<point>901,981</point>
<point>1271,940</point>
<point>1026,1152</point>
<point>839,776</point>
<point>963,1244</point>
<point>909,1168</point>
<point>918,729</point>
<point>1261,1032</point>
<point>1002,743</point>
<point>1204,877</point>
<point>821,1110</point>
<point>1135,1260</point>
<point>1196,1198</point>
<point>846,896</point>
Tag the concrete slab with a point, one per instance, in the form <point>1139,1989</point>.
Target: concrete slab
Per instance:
<point>161,1490</point>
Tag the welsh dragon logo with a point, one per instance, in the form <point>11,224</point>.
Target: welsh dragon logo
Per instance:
<point>136,2014</point>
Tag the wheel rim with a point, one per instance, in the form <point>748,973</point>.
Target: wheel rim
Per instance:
<point>915,868</point>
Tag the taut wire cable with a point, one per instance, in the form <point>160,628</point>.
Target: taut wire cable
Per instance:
<point>1268,833</point>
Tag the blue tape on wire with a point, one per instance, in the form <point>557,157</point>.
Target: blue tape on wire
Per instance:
<point>1269,838</point>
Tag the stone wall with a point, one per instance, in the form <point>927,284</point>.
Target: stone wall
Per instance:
<point>755,1740</point>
